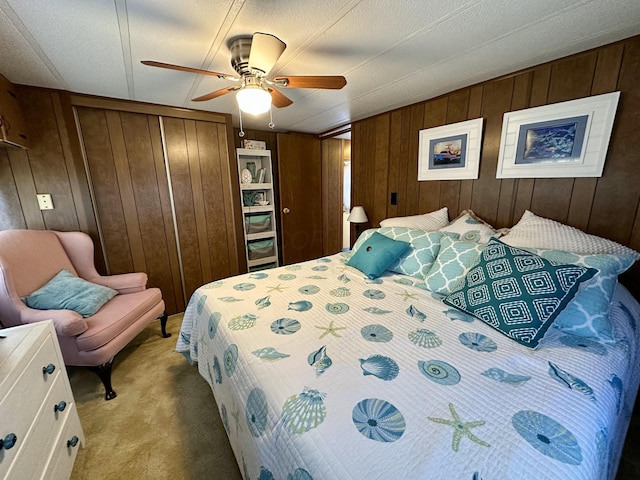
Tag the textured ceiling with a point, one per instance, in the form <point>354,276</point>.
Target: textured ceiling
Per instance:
<point>392,52</point>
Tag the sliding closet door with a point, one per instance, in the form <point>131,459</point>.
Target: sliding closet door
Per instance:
<point>197,153</point>
<point>131,194</point>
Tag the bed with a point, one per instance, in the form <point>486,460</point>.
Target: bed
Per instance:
<point>320,372</point>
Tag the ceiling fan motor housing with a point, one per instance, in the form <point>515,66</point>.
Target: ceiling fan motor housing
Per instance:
<point>240,49</point>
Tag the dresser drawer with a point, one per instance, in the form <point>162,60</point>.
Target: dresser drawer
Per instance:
<point>60,463</point>
<point>23,400</point>
<point>35,447</point>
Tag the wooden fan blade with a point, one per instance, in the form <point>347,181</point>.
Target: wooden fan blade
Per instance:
<point>217,93</point>
<point>169,66</point>
<point>265,51</point>
<point>279,100</point>
<point>310,81</point>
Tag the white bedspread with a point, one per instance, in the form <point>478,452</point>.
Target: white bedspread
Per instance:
<point>320,373</point>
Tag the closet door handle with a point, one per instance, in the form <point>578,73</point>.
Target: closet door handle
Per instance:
<point>285,210</point>
<point>59,407</point>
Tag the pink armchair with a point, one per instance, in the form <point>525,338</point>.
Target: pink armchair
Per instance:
<point>30,258</point>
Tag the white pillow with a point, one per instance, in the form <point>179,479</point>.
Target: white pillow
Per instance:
<point>428,221</point>
<point>539,232</point>
<point>471,228</point>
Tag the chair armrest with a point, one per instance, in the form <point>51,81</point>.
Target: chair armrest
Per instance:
<point>79,248</point>
<point>66,322</point>
<point>123,283</point>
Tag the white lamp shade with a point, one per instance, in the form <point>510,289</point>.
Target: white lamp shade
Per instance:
<point>357,215</point>
<point>254,100</point>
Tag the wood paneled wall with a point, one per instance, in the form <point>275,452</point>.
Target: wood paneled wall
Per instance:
<point>52,164</point>
<point>385,150</point>
<point>126,162</point>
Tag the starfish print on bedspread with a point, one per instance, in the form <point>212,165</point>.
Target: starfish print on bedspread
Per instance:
<point>235,413</point>
<point>407,295</point>
<point>330,330</point>
<point>460,428</point>
<point>277,288</point>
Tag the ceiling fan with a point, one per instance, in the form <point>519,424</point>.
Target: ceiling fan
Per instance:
<point>253,58</point>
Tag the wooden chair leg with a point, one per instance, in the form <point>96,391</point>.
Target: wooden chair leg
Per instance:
<point>163,325</point>
<point>104,372</point>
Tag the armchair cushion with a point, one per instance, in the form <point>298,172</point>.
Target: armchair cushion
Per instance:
<point>116,316</point>
<point>65,291</point>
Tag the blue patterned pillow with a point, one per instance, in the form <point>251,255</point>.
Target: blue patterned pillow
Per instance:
<point>417,260</point>
<point>516,292</point>
<point>588,314</point>
<point>454,260</point>
<point>471,228</point>
<point>376,254</point>
<point>65,291</point>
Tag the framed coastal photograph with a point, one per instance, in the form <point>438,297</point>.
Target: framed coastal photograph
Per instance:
<point>568,139</point>
<point>450,152</point>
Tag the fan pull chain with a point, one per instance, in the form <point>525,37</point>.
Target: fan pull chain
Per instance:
<point>271,124</point>
<point>241,132</point>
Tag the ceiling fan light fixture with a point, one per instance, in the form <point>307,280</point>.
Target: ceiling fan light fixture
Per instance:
<point>254,100</point>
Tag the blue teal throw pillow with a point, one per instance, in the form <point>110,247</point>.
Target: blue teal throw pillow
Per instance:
<point>376,254</point>
<point>588,314</point>
<point>517,292</point>
<point>65,291</point>
<point>454,260</point>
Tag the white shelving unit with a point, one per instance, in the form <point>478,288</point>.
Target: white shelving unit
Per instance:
<point>258,211</point>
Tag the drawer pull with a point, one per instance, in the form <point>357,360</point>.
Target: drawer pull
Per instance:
<point>59,407</point>
<point>49,369</point>
<point>8,442</point>
<point>73,442</point>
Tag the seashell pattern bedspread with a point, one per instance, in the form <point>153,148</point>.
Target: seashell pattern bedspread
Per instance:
<point>320,373</point>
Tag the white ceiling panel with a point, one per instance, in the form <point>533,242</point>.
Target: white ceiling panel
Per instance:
<point>391,53</point>
<point>18,60</point>
<point>81,39</point>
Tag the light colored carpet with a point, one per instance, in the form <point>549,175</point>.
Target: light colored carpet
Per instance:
<point>164,423</point>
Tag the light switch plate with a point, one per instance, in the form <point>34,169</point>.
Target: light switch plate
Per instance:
<point>44,201</point>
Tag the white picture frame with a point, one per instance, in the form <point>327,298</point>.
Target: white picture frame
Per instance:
<point>450,152</point>
<point>567,139</point>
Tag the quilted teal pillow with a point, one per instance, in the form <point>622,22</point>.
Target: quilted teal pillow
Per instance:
<point>419,257</point>
<point>588,314</point>
<point>417,260</point>
<point>65,291</point>
<point>454,260</point>
<point>376,254</point>
<point>516,292</point>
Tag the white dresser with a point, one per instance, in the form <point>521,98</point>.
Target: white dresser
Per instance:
<point>40,431</point>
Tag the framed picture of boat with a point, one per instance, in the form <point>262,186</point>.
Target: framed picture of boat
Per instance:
<point>450,152</point>
<point>568,139</point>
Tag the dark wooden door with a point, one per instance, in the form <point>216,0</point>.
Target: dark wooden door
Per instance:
<point>333,157</point>
<point>300,185</point>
